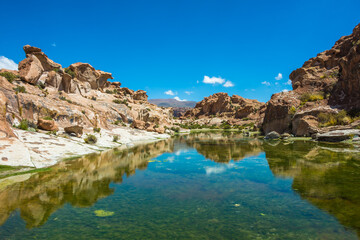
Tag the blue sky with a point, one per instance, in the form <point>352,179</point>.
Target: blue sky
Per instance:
<point>171,45</point>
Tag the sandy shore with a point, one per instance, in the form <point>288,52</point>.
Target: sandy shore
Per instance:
<point>39,150</point>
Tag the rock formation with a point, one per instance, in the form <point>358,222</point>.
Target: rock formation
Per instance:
<point>325,84</point>
<point>235,109</point>
<point>77,95</point>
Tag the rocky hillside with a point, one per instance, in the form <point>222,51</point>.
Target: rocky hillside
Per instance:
<point>326,92</point>
<point>220,107</point>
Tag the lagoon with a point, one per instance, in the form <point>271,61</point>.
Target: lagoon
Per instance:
<point>197,186</point>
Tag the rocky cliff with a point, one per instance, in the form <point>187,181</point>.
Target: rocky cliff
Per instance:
<point>325,84</point>
<point>76,95</point>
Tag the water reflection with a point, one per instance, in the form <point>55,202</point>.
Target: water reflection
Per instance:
<point>79,182</point>
<point>328,176</point>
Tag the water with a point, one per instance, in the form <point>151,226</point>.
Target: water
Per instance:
<point>202,186</point>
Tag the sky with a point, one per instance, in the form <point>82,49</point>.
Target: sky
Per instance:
<point>186,49</point>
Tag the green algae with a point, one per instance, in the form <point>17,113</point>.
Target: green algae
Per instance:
<point>103,213</point>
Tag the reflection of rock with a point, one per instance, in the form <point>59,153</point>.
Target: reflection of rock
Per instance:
<point>79,182</point>
<point>220,148</point>
<point>327,177</point>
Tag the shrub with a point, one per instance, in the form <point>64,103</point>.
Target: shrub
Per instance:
<point>90,139</point>
<point>9,76</point>
<point>311,97</point>
<point>115,138</point>
<point>70,72</point>
<point>330,119</point>
<point>83,111</point>
<point>176,129</point>
<point>20,89</point>
<point>97,130</point>
<point>93,98</point>
<point>47,118</point>
<point>117,122</point>
<point>292,110</point>
<point>24,124</point>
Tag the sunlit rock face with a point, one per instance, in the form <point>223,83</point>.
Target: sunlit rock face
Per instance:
<point>234,109</point>
<point>327,175</point>
<point>80,182</point>
<point>77,95</point>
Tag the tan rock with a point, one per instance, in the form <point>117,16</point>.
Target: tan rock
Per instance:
<point>306,126</point>
<point>138,124</point>
<point>77,130</point>
<point>48,125</point>
<point>140,95</point>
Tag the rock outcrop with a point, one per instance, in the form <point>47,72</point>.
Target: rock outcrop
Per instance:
<point>235,109</point>
<point>77,95</point>
<point>325,84</point>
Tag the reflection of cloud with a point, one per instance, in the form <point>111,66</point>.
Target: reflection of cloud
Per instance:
<point>179,152</point>
<point>218,169</point>
<point>171,159</point>
<point>215,170</point>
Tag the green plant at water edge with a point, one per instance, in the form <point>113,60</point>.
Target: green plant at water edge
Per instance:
<point>97,130</point>
<point>23,125</point>
<point>20,89</point>
<point>115,138</point>
<point>332,119</point>
<point>175,129</point>
<point>90,139</point>
<point>70,72</point>
<point>103,213</point>
<point>9,76</point>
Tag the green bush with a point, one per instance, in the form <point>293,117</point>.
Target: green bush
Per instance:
<point>97,130</point>
<point>47,118</point>
<point>330,119</point>
<point>70,72</point>
<point>311,97</point>
<point>175,129</point>
<point>292,110</point>
<point>9,76</point>
<point>20,89</point>
<point>115,138</point>
<point>93,98</point>
<point>90,139</point>
<point>24,124</point>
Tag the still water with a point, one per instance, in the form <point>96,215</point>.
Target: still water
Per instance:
<point>200,186</point>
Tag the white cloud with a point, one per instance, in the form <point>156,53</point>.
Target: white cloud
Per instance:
<point>228,84</point>
<point>279,77</point>
<point>180,100</point>
<point>53,44</point>
<point>169,92</point>
<point>189,92</point>
<point>213,80</point>
<point>288,82</point>
<point>285,90</point>
<point>7,63</point>
<point>265,83</point>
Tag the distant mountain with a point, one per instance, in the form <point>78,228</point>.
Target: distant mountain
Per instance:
<point>172,103</point>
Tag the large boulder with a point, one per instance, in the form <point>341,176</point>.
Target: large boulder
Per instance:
<point>305,126</point>
<point>140,95</point>
<point>77,130</point>
<point>48,125</point>
<point>337,135</point>
<point>272,135</point>
<point>86,73</point>
<point>138,124</point>
<point>5,130</point>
